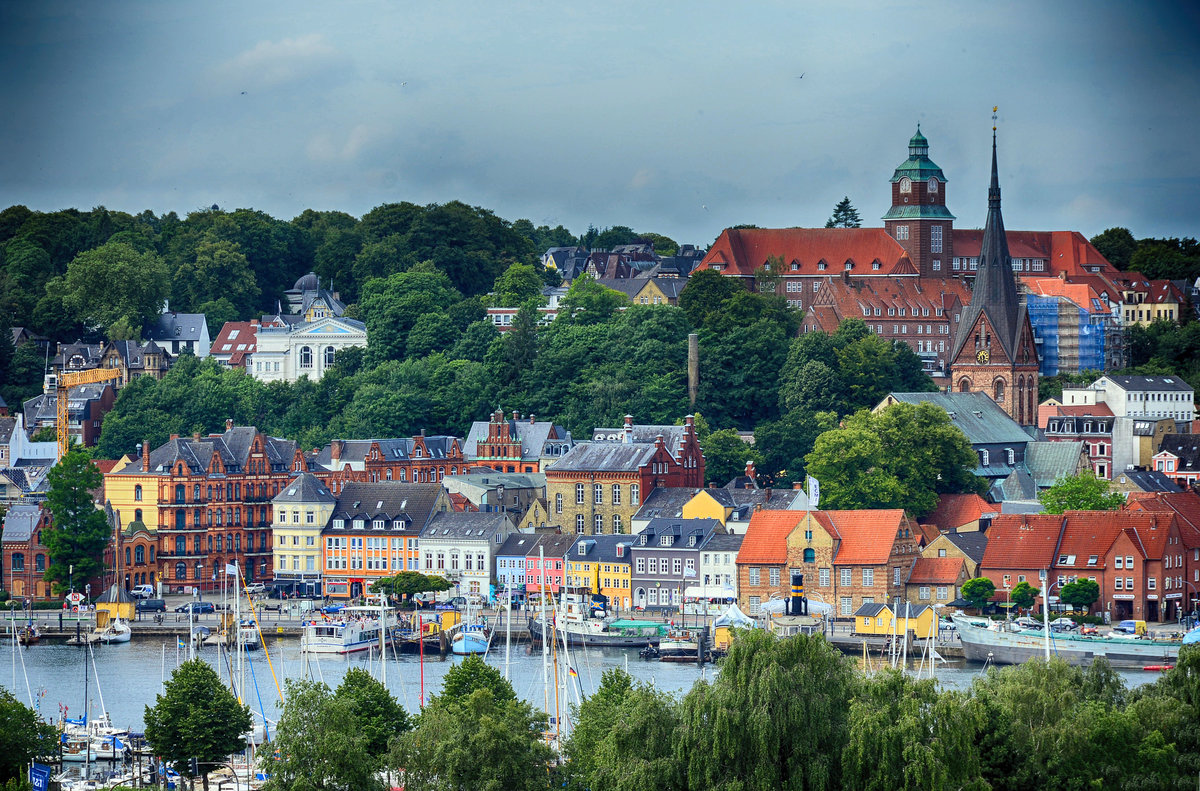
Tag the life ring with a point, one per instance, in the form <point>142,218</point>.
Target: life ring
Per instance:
<point>75,608</point>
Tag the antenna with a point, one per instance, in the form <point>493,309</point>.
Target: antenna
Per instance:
<point>995,109</point>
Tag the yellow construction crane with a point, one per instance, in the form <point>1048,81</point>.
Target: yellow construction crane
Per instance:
<point>64,382</point>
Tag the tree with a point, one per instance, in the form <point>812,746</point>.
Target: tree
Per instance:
<point>978,591</point>
<point>410,583</point>
<point>785,442</point>
<point>432,332</point>
<point>1024,594</point>
<point>775,717</point>
<point>320,744</point>
<point>196,716</point>
<point>1082,492</point>
<point>588,302</point>
<point>80,531</point>
<point>24,737</point>
<point>1080,594</point>
<point>519,284</point>
<point>705,293</point>
<point>1117,245</point>
<point>377,714</point>
<point>473,674</point>
<point>391,306</point>
<point>725,456</point>
<point>218,269</point>
<point>519,348</point>
<point>475,742</point>
<point>844,215</point>
<point>112,282</point>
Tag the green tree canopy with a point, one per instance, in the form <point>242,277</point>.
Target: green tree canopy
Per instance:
<point>23,738</point>
<point>725,456</point>
<point>410,583</point>
<point>1117,245</point>
<point>516,286</point>
<point>588,302</point>
<point>377,714</point>
<point>321,744</point>
<point>706,291</point>
<point>844,215</point>
<point>472,674</point>
<point>1080,594</point>
<point>1023,595</point>
<point>391,306</point>
<point>115,281</point>
<point>218,270</point>
<point>978,591</point>
<point>196,716</point>
<point>1082,492</point>
<point>80,531</point>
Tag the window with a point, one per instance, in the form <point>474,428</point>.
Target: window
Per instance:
<point>306,357</point>
<point>1129,583</point>
<point>810,556</point>
<point>137,492</point>
<point>868,577</point>
<point>935,239</point>
<point>1011,454</point>
<point>598,494</point>
<point>676,566</point>
<point>329,352</point>
<point>906,185</point>
<point>558,503</point>
<point>579,494</point>
<point>823,577</point>
<point>18,561</point>
<point>896,576</point>
<point>774,576</point>
<point>1129,562</point>
<point>1118,584</point>
<point>1119,562</point>
<point>618,528</point>
<point>846,605</point>
<point>846,577</point>
<point>755,604</point>
<point>902,232</point>
<point>634,490</point>
<point>985,458</point>
<point>598,524</point>
<point>1151,582</point>
<point>753,576</point>
<point>580,524</point>
<point>942,593</point>
<point>923,593</point>
<point>616,494</point>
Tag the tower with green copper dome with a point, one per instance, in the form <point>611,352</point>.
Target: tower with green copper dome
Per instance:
<point>919,219</point>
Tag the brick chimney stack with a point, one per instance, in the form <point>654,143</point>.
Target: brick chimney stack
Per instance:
<point>145,455</point>
<point>335,450</point>
<point>229,424</point>
<point>750,469</point>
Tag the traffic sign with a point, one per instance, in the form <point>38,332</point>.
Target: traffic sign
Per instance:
<point>74,598</point>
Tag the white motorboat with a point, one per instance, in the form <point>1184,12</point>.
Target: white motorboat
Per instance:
<point>351,630</point>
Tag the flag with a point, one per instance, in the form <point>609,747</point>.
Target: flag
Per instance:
<point>689,572</point>
<point>179,643</point>
<point>571,672</point>
<point>39,776</point>
<point>814,493</point>
<point>230,568</point>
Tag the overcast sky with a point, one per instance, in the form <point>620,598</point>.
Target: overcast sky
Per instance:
<point>679,118</point>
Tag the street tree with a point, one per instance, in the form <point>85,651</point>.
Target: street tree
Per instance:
<point>24,737</point>
<point>80,531</point>
<point>844,215</point>
<point>775,717</point>
<point>196,716</point>
<point>320,744</point>
<point>1082,492</point>
<point>978,591</point>
<point>1080,594</point>
<point>377,714</point>
<point>474,742</point>
<point>410,583</point>
<point>115,281</point>
<point>1024,594</point>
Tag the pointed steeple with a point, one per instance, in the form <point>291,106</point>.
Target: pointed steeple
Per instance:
<point>995,292</point>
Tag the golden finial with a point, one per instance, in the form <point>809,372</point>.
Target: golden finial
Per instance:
<point>994,111</point>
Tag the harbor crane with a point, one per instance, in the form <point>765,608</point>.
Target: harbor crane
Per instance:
<point>62,383</point>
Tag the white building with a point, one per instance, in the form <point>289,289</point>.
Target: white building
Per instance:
<point>1139,397</point>
<point>717,574</point>
<point>286,353</point>
<point>179,332</point>
<point>461,546</point>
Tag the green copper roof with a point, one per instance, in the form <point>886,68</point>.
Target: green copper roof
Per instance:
<point>918,169</point>
<point>918,139</point>
<point>918,213</point>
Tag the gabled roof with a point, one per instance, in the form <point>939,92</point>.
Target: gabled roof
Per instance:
<point>1149,383</point>
<point>742,501</point>
<point>1150,480</point>
<point>20,522</point>
<point>740,251</point>
<point>172,326</point>
<point>683,530</point>
<point>7,425</point>
<point>232,447</point>
<point>1063,251</point>
<point>605,456</point>
<point>935,571</point>
<point>1082,295</point>
<point>956,510</point>
<point>304,488</point>
<point>1049,461</point>
<point>1185,506</point>
<point>972,543</point>
<point>765,541</point>
<point>600,549</point>
<point>465,525</point>
<point>520,545</point>
<point>975,414</point>
<point>439,446</point>
<point>1022,541</point>
<point>236,340</point>
<point>554,545</point>
<point>1185,447</point>
<point>867,536</point>
<point>532,434</point>
<point>666,501</point>
<point>391,500</point>
<point>870,610</point>
<point>723,542</point>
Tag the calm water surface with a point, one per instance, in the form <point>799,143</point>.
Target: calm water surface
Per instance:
<point>130,675</point>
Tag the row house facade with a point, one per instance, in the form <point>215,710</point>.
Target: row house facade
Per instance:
<point>206,501</point>
<point>666,560</point>
<point>25,557</point>
<point>1181,562</point>
<point>301,511</point>
<point>597,487</point>
<point>848,558</point>
<point>545,564</point>
<point>1127,553</point>
<point>515,444</point>
<point>373,532</point>
<point>602,565</point>
<point>1178,458</point>
<point>461,547</point>
<point>421,459</point>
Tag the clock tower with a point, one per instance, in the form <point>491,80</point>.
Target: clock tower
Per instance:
<point>919,219</point>
<point>993,350</point>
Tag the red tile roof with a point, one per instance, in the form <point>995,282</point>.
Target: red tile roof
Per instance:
<point>247,338</point>
<point>766,536</point>
<point>935,571</point>
<point>1080,293</point>
<point>955,510</point>
<point>1021,541</point>
<point>742,250</point>
<point>1087,533</point>
<point>1185,506</point>
<point>104,465</point>
<point>1086,410</point>
<point>867,536</point>
<point>1063,251</point>
<point>460,503</point>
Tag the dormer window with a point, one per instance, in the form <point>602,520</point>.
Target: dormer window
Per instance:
<point>664,541</point>
<point>642,540</point>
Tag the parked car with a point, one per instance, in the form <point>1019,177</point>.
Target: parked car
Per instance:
<point>255,588</point>
<point>198,607</point>
<point>151,605</point>
<point>1028,623</point>
<point>332,609</point>
<point>1063,624</point>
<point>142,592</point>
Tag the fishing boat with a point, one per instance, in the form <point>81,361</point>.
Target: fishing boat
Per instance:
<point>117,631</point>
<point>353,629</point>
<point>473,639</point>
<point>1006,643</point>
<point>584,621</point>
<point>248,635</point>
<point>28,635</point>
<point>679,642</point>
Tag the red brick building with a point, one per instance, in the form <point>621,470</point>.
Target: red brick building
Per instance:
<point>1181,557</point>
<point>420,459</point>
<point>25,557</point>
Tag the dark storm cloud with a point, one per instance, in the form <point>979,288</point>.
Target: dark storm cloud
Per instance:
<point>676,118</point>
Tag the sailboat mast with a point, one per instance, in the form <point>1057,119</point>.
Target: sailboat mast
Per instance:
<point>545,632</point>
<point>508,629</point>
<point>382,649</point>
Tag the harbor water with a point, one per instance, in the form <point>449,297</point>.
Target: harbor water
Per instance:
<point>127,677</point>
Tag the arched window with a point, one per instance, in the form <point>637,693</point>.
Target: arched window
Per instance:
<point>128,555</point>
<point>179,490</point>
<point>985,458</point>
<point>810,556</point>
<point>196,491</point>
<point>209,490</point>
<point>220,543</point>
<point>139,554</point>
<point>964,385</point>
<point>1012,455</point>
<point>329,352</point>
<point>181,571</point>
<point>137,493</point>
<point>197,570</point>
<point>933,184</point>
<point>39,562</point>
<point>998,391</point>
<point>180,520</point>
<point>210,543</point>
<point>905,185</point>
<point>306,357</point>
<point>152,558</point>
<point>18,561</point>
<point>137,514</point>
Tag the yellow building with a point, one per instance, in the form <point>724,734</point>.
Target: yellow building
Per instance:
<point>602,562</point>
<point>302,510</point>
<point>538,517</point>
<point>876,619</point>
<point>734,508</point>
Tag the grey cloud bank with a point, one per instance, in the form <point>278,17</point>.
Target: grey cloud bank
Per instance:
<point>677,118</point>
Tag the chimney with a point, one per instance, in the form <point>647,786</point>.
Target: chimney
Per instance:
<point>768,500</point>
<point>531,417</point>
<point>195,436</point>
<point>750,469</point>
<point>693,368</point>
<point>174,437</point>
<point>798,486</point>
<point>229,424</point>
<point>335,450</point>
<point>146,455</point>
<point>516,415</point>
<point>658,441</point>
<point>629,421</point>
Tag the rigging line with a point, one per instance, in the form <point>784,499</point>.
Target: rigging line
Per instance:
<point>261,639</point>
<point>261,710</point>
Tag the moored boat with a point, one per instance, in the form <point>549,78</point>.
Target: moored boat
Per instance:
<point>117,631</point>
<point>679,642</point>
<point>586,622</point>
<point>1003,643</point>
<point>471,640</point>
<point>353,629</point>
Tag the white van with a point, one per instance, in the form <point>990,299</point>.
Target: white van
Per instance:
<point>142,592</point>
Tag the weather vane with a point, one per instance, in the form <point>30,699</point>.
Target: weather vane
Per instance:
<point>994,110</point>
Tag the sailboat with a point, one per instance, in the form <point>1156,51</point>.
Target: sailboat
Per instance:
<point>117,631</point>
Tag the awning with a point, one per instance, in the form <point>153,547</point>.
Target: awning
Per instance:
<point>709,592</point>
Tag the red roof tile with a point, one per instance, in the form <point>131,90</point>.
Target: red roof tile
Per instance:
<point>104,465</point>
<point>1079,293</point>
<point>935,571</point>
<point>1185,506</point>
<point>1021,541</point>
<point>742,250</point>
<point>1063,251</point>
<point>955,510</point>
<point>867,536</point>
<point>247,337</point>
<point>1086,410</point>
<point>766,536</point>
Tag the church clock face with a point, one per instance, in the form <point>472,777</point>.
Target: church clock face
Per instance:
<point>982,356</point>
